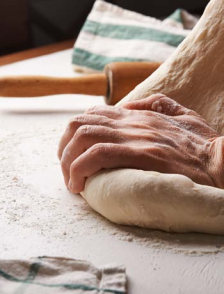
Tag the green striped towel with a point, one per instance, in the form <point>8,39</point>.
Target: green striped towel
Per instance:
<point>48,275</point>
<point>112,33</point>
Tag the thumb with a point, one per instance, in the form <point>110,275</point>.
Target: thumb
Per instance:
<point>161,104</point>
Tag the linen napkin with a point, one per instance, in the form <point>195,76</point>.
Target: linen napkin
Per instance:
<point>56,275</point>
<point>112,33</point>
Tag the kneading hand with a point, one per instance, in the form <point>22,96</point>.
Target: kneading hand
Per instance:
<point>155,133</point>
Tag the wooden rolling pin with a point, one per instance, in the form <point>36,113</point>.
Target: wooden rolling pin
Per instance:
<point>118,79</point>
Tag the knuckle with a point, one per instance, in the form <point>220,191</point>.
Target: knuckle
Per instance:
<point>156,106</point>
<point>84,131</point>
<point>100,149</point>
<point>77,121</point>
<point>158,96</point>
<point>72,124</point>
<point>166,101</point>
<point>194,114</point>
<point>157,151</point>
<point>166,105</point>
<point>92,109</point>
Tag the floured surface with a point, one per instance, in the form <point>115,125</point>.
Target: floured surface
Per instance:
<point>38,216</point>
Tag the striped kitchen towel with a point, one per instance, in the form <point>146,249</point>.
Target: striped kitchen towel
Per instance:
<point>112,33</point>
<point>48,275</point>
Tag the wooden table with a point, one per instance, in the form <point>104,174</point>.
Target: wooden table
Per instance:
<point>19,56</point>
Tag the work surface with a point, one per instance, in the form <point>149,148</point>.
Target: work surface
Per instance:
<point>38,216</point>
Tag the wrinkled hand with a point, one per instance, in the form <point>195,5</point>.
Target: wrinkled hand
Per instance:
<point>155,133</point>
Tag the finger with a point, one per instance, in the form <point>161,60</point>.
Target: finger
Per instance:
<point>100,156</point>
<point>106,156</point>
<point>85,137</point>
<point>168,106</point>
<point>79,121</point>
<point>143,104</point>
<point>161,104</point>
<point>107,111</point>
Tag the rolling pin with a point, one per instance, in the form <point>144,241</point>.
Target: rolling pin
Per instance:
<point>117,80</point>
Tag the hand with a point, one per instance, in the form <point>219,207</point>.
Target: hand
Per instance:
<point>155,134</point>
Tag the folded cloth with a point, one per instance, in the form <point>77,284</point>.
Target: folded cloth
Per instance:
<point>47,275</point>
<point>112,33</point>
<point>180,18</point>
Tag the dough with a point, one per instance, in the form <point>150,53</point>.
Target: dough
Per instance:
<point>169,202</point>
<point>194,76</point>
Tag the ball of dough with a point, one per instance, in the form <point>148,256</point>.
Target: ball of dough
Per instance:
<point>165,201</point>
<point>168,202</point>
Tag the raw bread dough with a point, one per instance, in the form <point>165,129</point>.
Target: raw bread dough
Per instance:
<point>150,199</point>
<point>194,76</point>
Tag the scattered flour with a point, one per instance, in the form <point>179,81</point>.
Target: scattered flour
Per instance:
<point>33,197</point>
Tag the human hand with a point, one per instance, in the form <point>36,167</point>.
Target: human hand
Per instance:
<point>155,134</point>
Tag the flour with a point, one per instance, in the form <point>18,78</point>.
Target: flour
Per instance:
<point>34,198</point>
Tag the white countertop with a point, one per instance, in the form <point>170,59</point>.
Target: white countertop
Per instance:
<point>38,216</point>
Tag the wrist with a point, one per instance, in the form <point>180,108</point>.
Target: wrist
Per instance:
<point>216,165</point>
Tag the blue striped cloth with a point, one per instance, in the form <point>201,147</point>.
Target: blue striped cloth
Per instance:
<point>49,275</point>
<point>111,34</point>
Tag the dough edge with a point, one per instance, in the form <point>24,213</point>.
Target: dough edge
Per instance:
<point>164,201</point>
<point>168,202</point>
